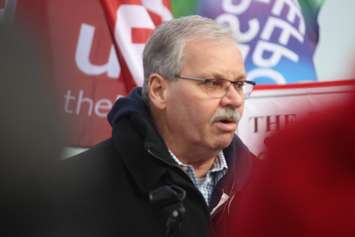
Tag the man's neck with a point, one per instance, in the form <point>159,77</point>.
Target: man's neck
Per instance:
<point>201,163</point>
<point>203,167</point>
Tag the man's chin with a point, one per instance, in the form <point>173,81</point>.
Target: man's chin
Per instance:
<point>223,141</point>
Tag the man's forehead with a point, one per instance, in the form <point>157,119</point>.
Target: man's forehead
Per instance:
<point>201,39</point>
<point>209,47</point>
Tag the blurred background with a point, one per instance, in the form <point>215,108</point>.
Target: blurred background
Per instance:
<point>64,63</point>
<point>300,53</point>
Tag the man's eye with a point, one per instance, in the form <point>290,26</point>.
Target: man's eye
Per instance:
<point>213,83</point>
<point>238,84</point>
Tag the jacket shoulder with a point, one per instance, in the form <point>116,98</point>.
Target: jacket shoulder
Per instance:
<point>99,151</point>
<point>97,161</point>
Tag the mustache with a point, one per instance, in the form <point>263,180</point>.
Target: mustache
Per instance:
<point>226,114</point>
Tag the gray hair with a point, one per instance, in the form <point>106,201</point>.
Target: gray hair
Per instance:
<point>163,52</point>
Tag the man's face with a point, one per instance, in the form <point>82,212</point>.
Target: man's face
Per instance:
<point>191,112</point>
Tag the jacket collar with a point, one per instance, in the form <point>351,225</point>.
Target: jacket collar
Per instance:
<point>134,150</point>
<point>146,156</point>
<point>239,160</point>
<point>149,162</point>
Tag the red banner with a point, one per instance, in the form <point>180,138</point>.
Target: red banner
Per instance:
<point>2,5</point>
<point>91,71</point>
<point>131,23</point>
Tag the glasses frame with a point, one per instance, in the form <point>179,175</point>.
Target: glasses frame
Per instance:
<point>252,83</point>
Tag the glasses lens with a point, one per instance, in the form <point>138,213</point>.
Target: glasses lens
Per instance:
<point>216,87</point>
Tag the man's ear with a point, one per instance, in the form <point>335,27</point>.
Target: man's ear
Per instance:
<point>157,90</point>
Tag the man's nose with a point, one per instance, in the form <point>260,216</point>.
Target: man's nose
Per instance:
<point>232,97</point>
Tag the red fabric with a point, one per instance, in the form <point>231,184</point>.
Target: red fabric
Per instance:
<point>139,35</point>
<point>78,37</point>
<point>110,7</point>
<point>306,184</point>
<point>2,4</point>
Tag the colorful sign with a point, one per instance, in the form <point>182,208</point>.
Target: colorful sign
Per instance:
<point>278,38</point>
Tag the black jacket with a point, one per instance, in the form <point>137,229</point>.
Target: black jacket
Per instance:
<point>129,185</point>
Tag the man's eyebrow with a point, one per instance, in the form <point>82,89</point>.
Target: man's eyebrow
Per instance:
<point>241,77</point>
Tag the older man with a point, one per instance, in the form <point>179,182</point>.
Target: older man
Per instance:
<point>174,163</point>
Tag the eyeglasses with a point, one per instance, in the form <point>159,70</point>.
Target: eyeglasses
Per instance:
<point>218,88</point>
